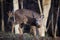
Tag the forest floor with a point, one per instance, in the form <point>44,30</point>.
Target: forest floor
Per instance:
<point>11,36</point>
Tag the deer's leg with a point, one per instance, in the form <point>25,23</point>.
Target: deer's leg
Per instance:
<point>33,30</point>
<point>20,33</point>
<point>21,30</point>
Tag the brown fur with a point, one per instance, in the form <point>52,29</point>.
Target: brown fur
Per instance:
<point>24,16</point>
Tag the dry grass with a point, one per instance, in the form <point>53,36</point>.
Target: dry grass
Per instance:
<point>10,36</point>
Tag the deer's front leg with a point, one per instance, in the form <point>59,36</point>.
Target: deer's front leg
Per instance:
<point>33,30</point>
<point>20,30</point>
<point>20,33</point>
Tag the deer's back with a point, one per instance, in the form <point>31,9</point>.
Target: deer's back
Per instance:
<point>19,14</point>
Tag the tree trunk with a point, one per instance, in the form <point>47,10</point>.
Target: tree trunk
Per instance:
<point>40,7</point>
<point>46,7</point>
<point>56,23</point>
<point>21,2</point>
<point>52,25</point>
<point>15,5</point>
<point>2,15</point>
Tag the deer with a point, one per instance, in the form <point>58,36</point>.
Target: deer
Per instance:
<point>31,17</point>
<point>26,17</point>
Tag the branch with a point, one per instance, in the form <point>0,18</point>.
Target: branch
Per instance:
<point>40,7</point>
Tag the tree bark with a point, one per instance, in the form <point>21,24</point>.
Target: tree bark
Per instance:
<point>40,7</point>
<point>2,15</point>
<point>56,23</point>
<point>46,8</point>
<point>21,2</point>
<point>15,5</point>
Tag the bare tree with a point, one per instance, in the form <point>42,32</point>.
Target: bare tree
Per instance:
<point>46,7</point>
<point>52,25</point>
<point>56,23</point>
<point>40,7</point>
<point>15,5</point>
<point>2,15</point>
<point>21,2</point>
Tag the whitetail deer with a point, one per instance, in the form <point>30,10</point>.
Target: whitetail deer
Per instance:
<point>27,17</point>
<point>30,15</point>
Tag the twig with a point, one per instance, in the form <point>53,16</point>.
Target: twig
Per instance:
<point>40,7</point>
